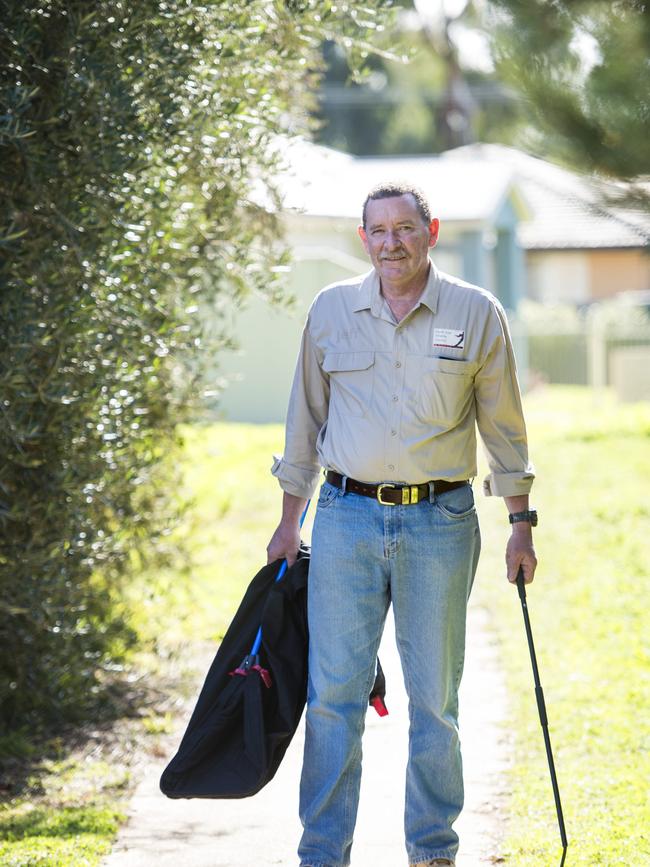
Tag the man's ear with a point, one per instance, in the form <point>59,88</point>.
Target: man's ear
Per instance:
<point>363,236</point>
<point>434,231</point>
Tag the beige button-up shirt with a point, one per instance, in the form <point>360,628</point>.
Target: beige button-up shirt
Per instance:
<point>385,401</point>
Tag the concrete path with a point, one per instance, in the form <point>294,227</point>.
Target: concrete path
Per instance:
<point>264,831</point>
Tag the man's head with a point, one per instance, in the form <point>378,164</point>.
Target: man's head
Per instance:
<point>393,190</point>
<point>397,232</point>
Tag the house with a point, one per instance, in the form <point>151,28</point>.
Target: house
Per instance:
<point>515,224</point>
<point>577,250</point>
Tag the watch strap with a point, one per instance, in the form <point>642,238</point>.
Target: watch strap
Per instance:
<point>530,515</point>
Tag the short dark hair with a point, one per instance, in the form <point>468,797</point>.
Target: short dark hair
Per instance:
<point>391,190</point>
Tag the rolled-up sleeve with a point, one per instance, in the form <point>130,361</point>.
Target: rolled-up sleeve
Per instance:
<point>499,414</point>
<point>297,470</point>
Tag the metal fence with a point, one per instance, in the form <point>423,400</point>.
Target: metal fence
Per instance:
<point>595,350</point>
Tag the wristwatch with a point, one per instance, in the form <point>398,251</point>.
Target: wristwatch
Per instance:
<point>530,515</point>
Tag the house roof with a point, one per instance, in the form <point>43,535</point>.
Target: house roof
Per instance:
<point>320,181</point>
<point>557,208</point>
<point>567,209</point>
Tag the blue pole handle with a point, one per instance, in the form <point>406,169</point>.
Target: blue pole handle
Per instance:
<point>283,568</point>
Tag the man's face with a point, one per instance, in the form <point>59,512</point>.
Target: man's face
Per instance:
<point>397,239</point>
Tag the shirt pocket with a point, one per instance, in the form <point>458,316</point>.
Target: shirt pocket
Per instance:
<point>351,381</point>
<point>445,390</point>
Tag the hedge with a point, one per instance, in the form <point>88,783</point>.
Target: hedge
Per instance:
<point>136,183</point>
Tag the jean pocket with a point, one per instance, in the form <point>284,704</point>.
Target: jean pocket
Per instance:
<point>328,493</point>
<point>457,503</point>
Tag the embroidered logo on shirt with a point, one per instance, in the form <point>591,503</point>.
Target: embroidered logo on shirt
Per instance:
<point>449,337</point>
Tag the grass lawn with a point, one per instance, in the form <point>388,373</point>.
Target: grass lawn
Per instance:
<point>67,814</point>
<point>589,614</point>
<point>588,608</point>
<point>237,506</point>
<point>588,611</point>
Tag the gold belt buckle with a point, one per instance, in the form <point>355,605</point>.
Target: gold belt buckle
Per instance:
<point>380,488</point>
<point>410,494</point>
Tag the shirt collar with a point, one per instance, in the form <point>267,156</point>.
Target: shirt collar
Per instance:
<point>370,297</point>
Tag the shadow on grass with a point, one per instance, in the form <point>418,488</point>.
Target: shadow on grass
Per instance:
<point>116,728</point>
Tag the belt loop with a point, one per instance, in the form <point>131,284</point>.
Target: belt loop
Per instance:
<point>344,484</point>
<point>432,493</point>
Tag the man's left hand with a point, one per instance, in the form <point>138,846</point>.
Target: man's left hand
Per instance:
<point>520,552</point>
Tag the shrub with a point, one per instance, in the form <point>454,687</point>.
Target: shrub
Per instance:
<point>137,194</point>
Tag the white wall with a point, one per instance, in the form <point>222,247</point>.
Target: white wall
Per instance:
<point>559,277</point>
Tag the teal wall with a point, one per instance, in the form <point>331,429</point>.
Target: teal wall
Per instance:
<point>474,257</point>
<point>258,374</point>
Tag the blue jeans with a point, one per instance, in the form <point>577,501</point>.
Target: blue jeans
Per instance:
<point>421,558</point>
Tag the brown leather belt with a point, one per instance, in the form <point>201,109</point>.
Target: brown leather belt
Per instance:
<point>389,494</point>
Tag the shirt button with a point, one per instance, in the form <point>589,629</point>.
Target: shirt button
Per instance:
<point>398,364</point>
<point>391,467</point>
<point>393,433</point>
<point>395,398</point>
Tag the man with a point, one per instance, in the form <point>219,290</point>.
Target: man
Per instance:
<point>396,370</point>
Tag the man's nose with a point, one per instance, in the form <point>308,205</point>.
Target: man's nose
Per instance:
<point>392,239</point>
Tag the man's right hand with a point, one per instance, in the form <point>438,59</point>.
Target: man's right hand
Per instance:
<point>285,541</point>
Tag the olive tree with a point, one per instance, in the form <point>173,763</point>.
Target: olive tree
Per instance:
<point>582,66</point>
<point>136,183</point>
